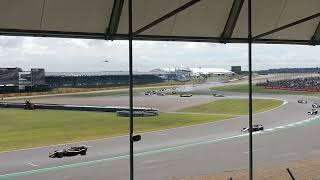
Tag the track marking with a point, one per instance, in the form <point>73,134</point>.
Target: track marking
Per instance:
<point>283,103</point>
<point>174,148</point>
<point>162,134</point>
<point>34,165</point>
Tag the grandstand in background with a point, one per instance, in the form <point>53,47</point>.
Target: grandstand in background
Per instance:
<point>16,80</point>
<point>290,70</point>
<point>101,79</point>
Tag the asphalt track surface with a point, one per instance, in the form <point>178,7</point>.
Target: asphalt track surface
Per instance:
<point>290,134</point>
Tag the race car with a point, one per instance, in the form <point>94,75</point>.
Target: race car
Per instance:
<point>301,101</point>
<point>255,127</point>
<point>217,95</point>
<point>313,112</point>
<point>315,105</point>
<point>72,151</point>
<point>147,93</point>
<point>161,94</point>
<point>29,106</point>
<point>185,95</point>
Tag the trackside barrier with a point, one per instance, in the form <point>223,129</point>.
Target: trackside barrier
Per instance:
<point>76,108</point>
<point>293,89</point>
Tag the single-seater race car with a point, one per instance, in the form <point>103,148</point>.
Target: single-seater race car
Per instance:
<point>147,93</point>
<point>185,95</point>
<point>313,112</point>
<point>315,105</point>
<point>217,95</point>
<point>29,106</point>
<point>72,151</point>
<point>160,94</point>
<point>301,101</point>
<point>255,127</point>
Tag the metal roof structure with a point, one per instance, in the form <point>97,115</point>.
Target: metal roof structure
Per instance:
<point>223,21</point>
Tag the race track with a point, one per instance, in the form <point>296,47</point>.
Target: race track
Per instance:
<point>202,149</point>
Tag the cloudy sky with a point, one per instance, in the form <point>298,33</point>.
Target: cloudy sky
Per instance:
<point>76,55</point>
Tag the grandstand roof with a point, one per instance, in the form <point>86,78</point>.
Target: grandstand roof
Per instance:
<point>180,20</point>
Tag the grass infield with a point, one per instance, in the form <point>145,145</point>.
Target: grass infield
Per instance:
<point>234,106</point>
<point>25,129</point>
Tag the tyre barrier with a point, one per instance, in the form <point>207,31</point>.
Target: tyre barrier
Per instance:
<point>146,113</point>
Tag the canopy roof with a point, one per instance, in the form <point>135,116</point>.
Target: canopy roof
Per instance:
<point>180,20</point>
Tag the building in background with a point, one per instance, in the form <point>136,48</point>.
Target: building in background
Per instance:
<point>176,73</point>
<point>9,76</point>
<point>15,80</point>
<point>210,71</point>
<point>236,69</point>
<point>38,77</point>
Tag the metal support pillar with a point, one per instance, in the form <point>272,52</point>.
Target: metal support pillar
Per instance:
<point>250,89</point>
<point>130,37</point>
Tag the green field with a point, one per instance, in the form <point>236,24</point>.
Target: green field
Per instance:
<point>259,89</point>
<point>234,106</point>
<point>23,129</point>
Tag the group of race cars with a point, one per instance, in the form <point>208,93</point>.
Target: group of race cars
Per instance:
<point>315,106</point>
<point>163,92</point>
<point>259,127</point>
<point>160,92</point>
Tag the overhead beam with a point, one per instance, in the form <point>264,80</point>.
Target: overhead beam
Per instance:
<point>316,35</point>
<point>232,20</point>
<point>172,13</point>
<point>115,18</point>
<point>82,35</point>
<point>287,26</point>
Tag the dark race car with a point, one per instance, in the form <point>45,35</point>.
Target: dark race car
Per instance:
<point>161,94</point>
<point>301,101</point>
<point>147,93</point>
<point>315,105</point>
<point>217,95</point>
<point>256,127</point>
<point>29,106</point>
<point>185,95</point>
<point>72,151</point>
<point>313,112</point>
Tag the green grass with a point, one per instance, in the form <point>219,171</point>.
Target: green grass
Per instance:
<point>234,106</point>
<point>24,129</point>
<point>259,89</point>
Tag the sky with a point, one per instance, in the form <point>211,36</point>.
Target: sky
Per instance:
<point>79,55</point>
